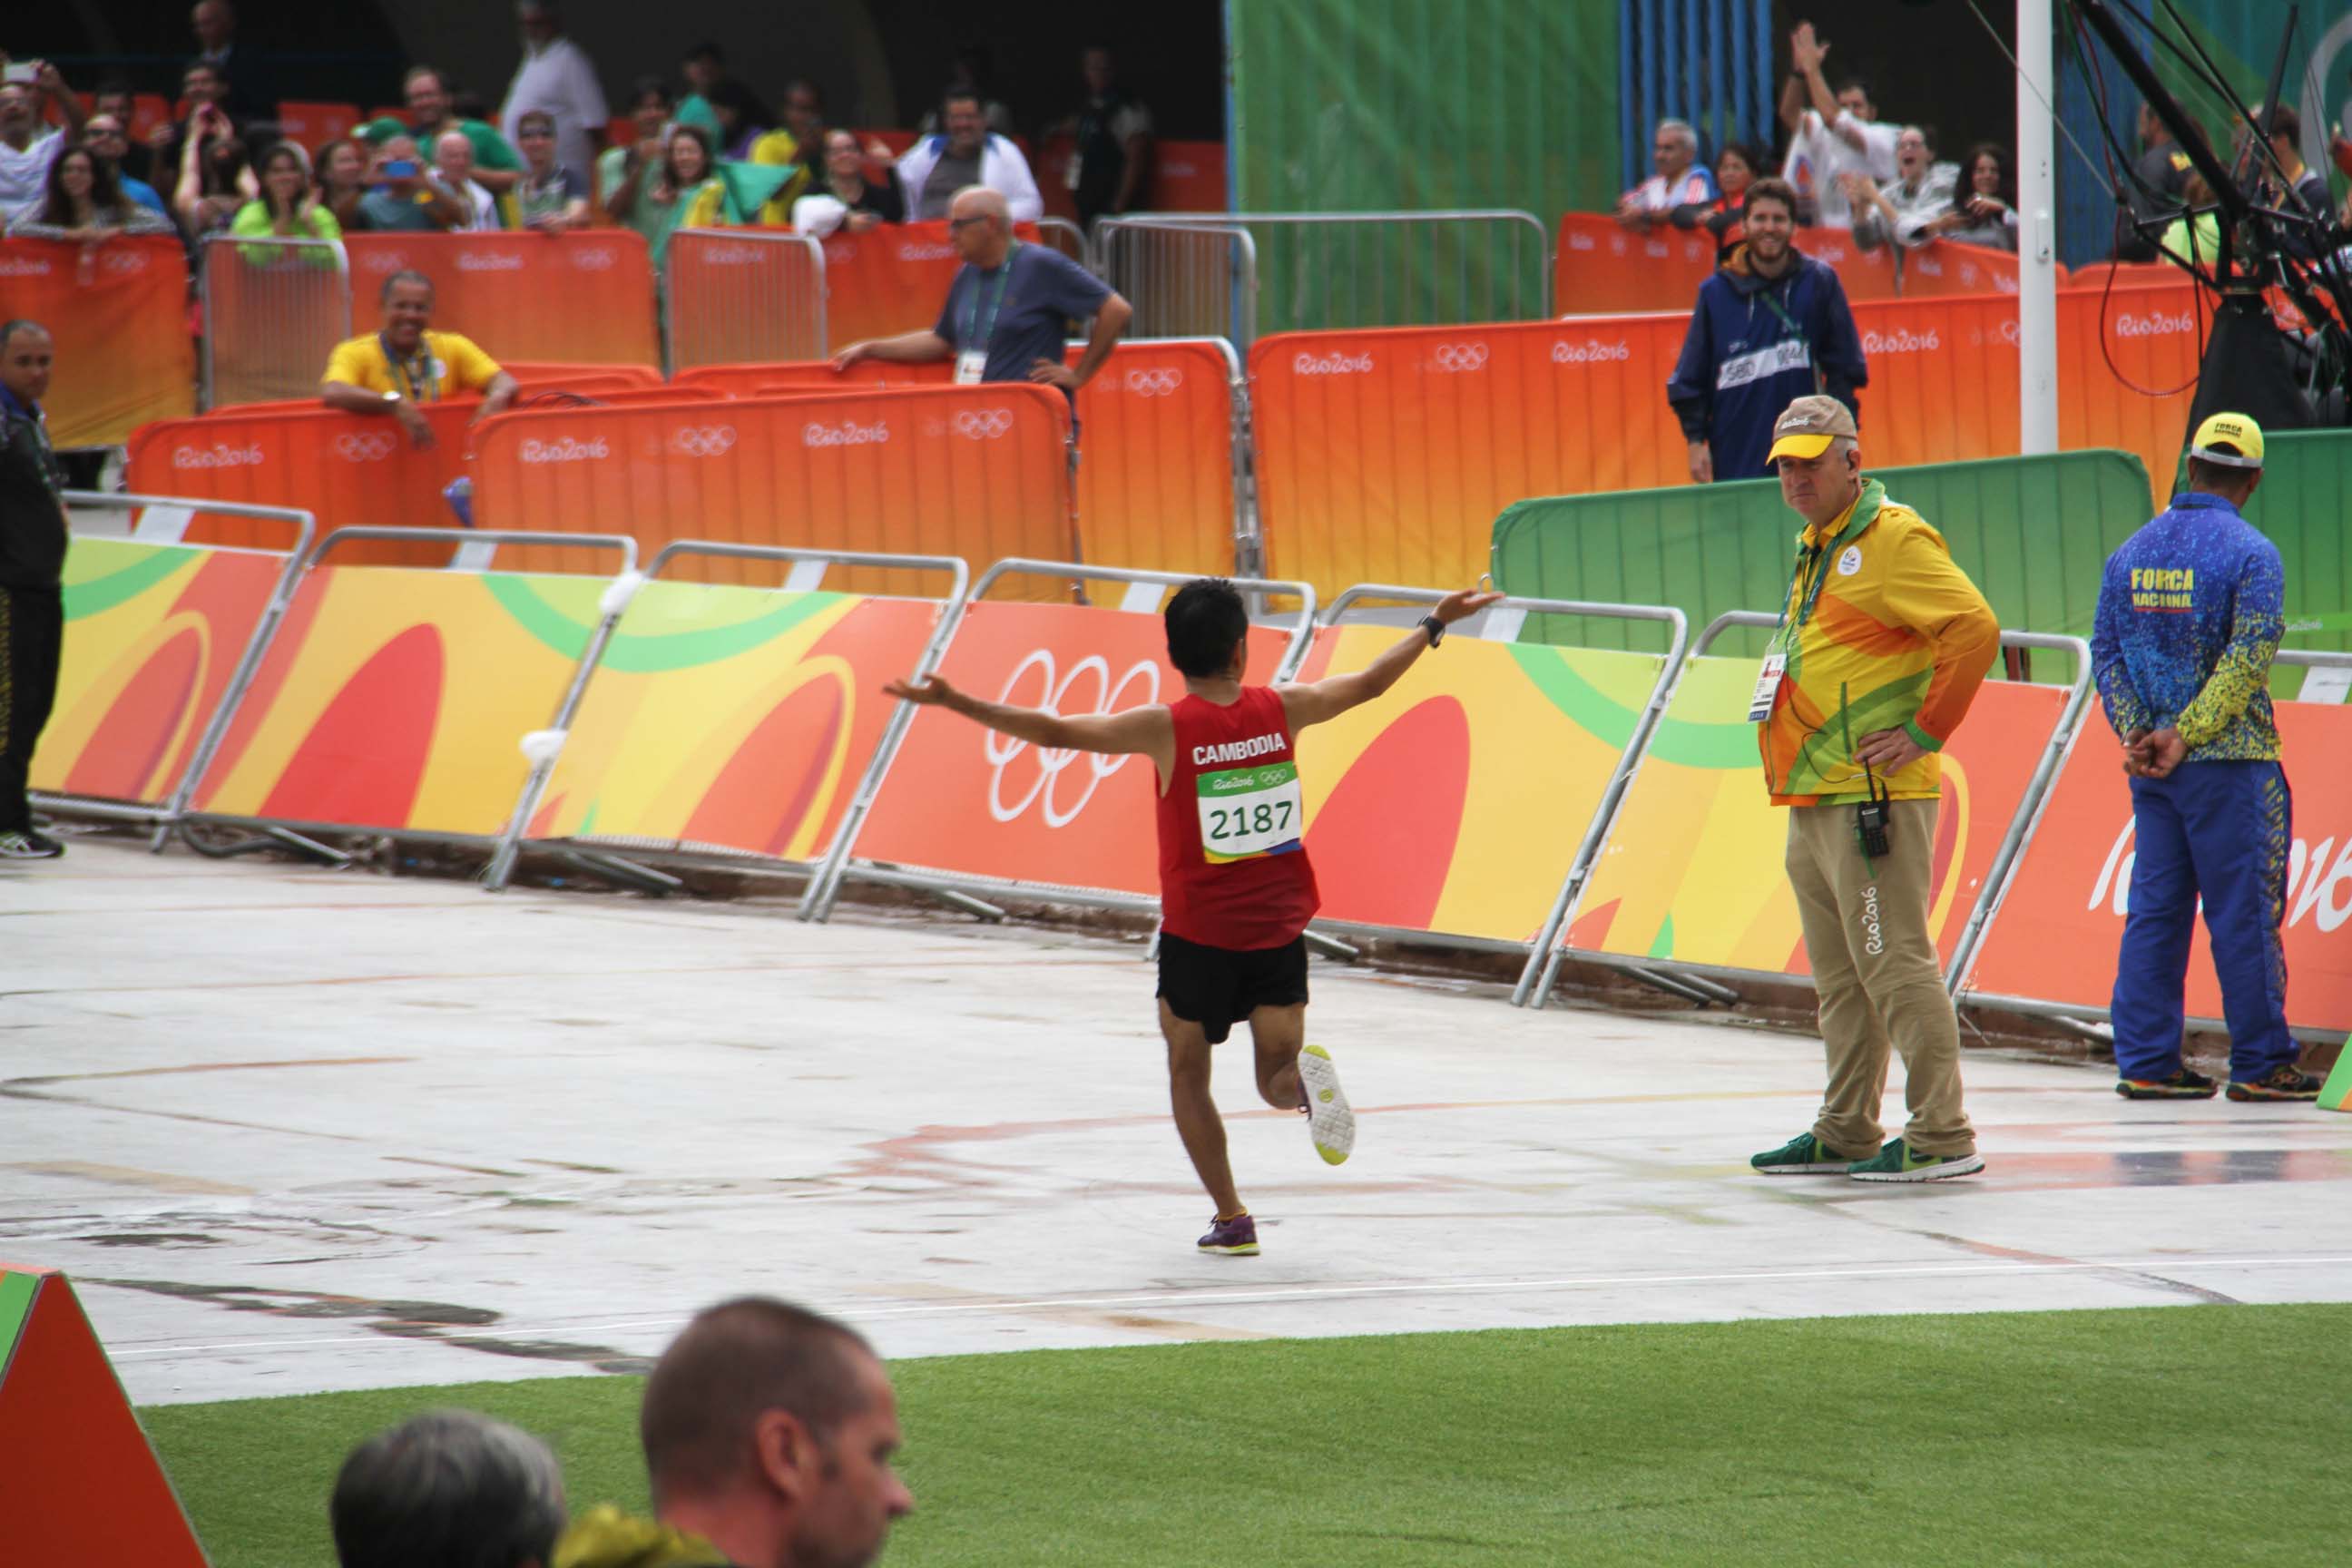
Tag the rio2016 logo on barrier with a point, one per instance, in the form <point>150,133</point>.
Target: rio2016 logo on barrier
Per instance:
<point>219,455</point>
<point>1332,363</point>
<point>1001,750</point>
<point>488,261</point>
<point>24,267</point>
<point>1161,383</point>
<point>1592,351</point>
<point>728,255</point>
<point>926,252</point>
<point>702,441</point>
<point>848,433</point>
<point>1901,341</point>
<point>565,449</point>
<point>382,261</point>
<point>372,447</point>
<point>1456,358</point>
<point>2155,325</point>
<point>2315,884</point>
<point>1580,242</point>
<point>983,424</point>
<point>597,260</point>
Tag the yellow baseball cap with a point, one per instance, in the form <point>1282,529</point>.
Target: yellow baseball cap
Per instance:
<point>1807,426</point>
<point>2240,434</point>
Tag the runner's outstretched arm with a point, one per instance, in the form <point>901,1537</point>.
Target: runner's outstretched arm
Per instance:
<point>1315,702</point>
<point>1147,730</point>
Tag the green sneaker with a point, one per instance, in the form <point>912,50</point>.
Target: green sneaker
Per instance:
<point>1899,1161</point>
<point>1803,1156</point>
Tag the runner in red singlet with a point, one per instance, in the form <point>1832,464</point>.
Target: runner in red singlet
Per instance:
<point>1235,889</point>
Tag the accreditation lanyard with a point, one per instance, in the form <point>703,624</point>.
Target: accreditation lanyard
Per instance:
<point>1805,583</point>
<point>978,337</point>
<point>417,373</point>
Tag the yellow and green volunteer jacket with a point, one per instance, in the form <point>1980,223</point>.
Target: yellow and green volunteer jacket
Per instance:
<point>1882,632</point>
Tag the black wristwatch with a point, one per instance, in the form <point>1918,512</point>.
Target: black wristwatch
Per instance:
<point>1435,627</point>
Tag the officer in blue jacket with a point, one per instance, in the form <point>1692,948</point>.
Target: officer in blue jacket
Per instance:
<point>1772,326</point>
<point>2189,615</point>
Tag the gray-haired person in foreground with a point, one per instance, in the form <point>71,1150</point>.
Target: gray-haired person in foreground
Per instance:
<point>449,1489</point>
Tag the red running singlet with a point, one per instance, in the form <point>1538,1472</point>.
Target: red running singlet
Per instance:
<point>1233,861</point>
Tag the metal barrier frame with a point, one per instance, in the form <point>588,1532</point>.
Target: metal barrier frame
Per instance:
<point>1241,311</point>
<point>494,538</point>
<point>205,289</point>
<point>950,616</point>
<point>841,865</point>
<point>265,628</point>
<point>747,237</point>
<point>1394,219</point>
<point>2034,1007</point>
<point>1661,691</point>
<point>2062,736</point>
<point>1075,247</point>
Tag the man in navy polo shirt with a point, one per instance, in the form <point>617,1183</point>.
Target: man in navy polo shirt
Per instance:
<point>1008,309</point>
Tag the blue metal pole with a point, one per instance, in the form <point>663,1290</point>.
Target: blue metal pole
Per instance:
<point>1669,57</point>
<point>1687,66</point>
<point>1648,108</point>
<point>1628,115</point>
<point>1718,14</point>
<point>1761,128</point>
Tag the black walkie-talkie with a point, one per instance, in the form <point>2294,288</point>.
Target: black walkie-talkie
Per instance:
<point>1872,818</point>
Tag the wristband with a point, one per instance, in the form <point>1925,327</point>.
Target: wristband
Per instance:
<point>1435,627</point>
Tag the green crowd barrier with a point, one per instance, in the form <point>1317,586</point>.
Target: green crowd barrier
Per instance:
<point>2033,532</point>
<point>2303,504</point>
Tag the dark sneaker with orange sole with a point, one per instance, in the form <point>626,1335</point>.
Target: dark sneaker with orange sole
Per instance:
<point>2282,1082</point>
<point>1235,1238</point>
<point>2182,1085</point>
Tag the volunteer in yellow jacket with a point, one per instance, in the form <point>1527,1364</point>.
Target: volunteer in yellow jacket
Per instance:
<point>393,373</point>
<point>1881,647</point>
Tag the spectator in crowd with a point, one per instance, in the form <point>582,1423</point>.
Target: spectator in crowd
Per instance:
<point>2158,191</point>
<point>805,115</point>
<point>1832,134</point>
<point>968,75</point>
<point>1111,160</point>
<point>448,1486</point>
<point>769,1433</point>
<point>1737,167</point>
<point>245,94</point>
<point>27,151</point>
<point>935,168</point>
<point>2302,189</point>
<point>2194,238</point>
<point>845,197</point>
<point>393,373</point>
<point>546,198</point>
<point>215,177</point>
<point>83,202</point>
<point>1900,212</point>
<point>2191,608</point>
<point>1984,212</point>
<point>708,85</point>
<point>1882,645</point>
<point>32,573</point>
<point>452,161</point>
<point>407,197</point>
<point>116,101</point>
<point>106,136</point>
<point>342,169</point>
<point>288,208</point>
<point>681,190</point>
<point>649,116</point>
<point>1008,311</point>
<point>779,150</point>
<point>1770,325</point>
<point>205,92</point>
<point>1680,181</point>
<point>557,77</point>
<point>497,166</point>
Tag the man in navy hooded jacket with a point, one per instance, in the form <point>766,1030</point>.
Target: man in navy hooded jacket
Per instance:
<point>1772,326</point>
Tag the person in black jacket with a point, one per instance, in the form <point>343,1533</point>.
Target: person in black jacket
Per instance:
<point>32,571</point>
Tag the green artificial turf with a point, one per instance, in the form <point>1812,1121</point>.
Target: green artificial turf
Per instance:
<point>2170,1435</point>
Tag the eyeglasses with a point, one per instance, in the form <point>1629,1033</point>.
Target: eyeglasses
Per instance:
<point>962,222</point>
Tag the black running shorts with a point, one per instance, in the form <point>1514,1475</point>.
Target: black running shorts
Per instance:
<point>1217,987</point>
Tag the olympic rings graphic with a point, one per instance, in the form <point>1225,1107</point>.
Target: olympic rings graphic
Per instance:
<point>1154,383</point>
<point>1453,357</point>
<point>705,441</point>
<point>373,446</point>
<point>985,423</point>
<point>1000,749</point>
<point>597,261</point>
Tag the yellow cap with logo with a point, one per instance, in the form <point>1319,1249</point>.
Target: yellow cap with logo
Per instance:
<point>1807,426</point>
<point>2241,437</point>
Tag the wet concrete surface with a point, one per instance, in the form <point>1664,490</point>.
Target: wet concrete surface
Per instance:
<point>293,1130</point>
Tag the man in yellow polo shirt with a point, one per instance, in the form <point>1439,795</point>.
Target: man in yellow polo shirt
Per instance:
<point>1882,644</point>
<point>393,373</point>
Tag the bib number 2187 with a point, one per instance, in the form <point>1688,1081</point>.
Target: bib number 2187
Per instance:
<point>1249,812</point>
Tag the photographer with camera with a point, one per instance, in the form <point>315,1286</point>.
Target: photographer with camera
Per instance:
<point>1881,647</point>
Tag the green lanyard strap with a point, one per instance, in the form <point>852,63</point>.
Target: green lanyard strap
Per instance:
<point>417,373</point>
<point>1813,562</point>
<point>972,328</point>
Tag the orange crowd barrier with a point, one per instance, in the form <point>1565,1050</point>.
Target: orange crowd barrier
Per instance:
<point>1601,269</point>
<point>1188,177</point>
<point>890,280</point>
<point>588,392</point>
<point>976,471</point>
<point>1155,487</point>
<point>313,125</point>
<point>121,325</point>
<point>1940,267</point>
<point>1385,455</point>
<point>561,373</point>
<point>583,297</point>
<point>345,468</point>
